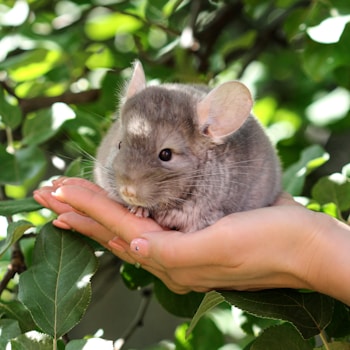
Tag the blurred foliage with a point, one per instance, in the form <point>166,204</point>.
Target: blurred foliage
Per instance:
<point>62,65</point>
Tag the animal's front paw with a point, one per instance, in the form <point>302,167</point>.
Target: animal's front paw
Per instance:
<point>139,211</point>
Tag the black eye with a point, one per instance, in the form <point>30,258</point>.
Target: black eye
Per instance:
<point>165,154</point>
<point>119,145</point>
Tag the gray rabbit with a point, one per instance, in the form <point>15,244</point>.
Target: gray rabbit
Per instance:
<point>187,156</point>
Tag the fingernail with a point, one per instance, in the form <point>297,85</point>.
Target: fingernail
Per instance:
<point>61,224</point>
<point>116,245</point>
<point>37,196</point>
<point>140,246</point>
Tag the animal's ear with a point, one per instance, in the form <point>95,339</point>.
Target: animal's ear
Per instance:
<point>224,109</point>
<point>137,81</point>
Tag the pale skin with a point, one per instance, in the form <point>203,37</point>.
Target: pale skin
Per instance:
<point>282,246</point>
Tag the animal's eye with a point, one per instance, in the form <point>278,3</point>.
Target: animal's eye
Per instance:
<point>119,145</point>
<point>165,154</point>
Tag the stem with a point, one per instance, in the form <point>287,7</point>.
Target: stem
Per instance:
<point>138,321</point>
<point>323,337</point>
<point>9,136</point>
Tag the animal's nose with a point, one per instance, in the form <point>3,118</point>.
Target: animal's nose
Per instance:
<point>128,191</point>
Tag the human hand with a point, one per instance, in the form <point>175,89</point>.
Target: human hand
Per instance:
<point>284,245</point>
<point>85,207</point>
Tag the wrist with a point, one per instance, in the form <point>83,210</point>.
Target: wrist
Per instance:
<point>325,261</point>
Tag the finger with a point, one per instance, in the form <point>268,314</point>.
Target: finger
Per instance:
<point>113,216</point>
<point>122,249</point>
<point>44,197</point>
<point>86,226</point>
<point>75,181</point>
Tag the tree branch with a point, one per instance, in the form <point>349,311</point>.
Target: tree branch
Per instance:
<point>35,103</point>
<point>211,33</point>
<point>269,34</point>
<point>138,321</point>
<point>17,265</point>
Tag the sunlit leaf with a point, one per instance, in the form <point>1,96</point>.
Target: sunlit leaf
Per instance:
<point>32,341</point>
<point>329,108</point>
<point>210,300</point>
<point>30,65</point>
<point>333,189</point>
<point>101,56</point>
<point>346,170</point>
<point>106,26</point>
<point>294,177</point>
<point>56,288</point>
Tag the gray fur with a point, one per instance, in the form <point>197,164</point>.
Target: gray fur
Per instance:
<point>205,180</point>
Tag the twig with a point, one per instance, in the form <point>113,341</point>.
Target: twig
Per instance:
<point>35,103</point>
<point>263,38</point>
<point>8,88</point>
<point>17,265</point>
<point>138,321</point>
<point>323,337</point>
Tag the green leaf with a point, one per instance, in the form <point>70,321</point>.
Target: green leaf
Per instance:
<point>11,207</point>
<point>46,123</point>
<point>92,343</point>
<point>281,337</point>
<point>7,166</point>
<point>32,341</point>
<point>333,189</point>
<point>207,336</point>
<point>309,312</point>
<point>15,231</point>
<point>26,165</point>
<point>75,168</point>
<point>15,309</point>
<point>340,325</point>
<point>346,170</point>
<point>8,329</point>
<point>135,278</point>
<point>56,288</point>
<point>106,26</point>
<point>319,60</point>
<point>337,345</point>
<point>210,300</point>
<point>10,114</point>
<point>31,64</point>
<point>294,177</point>
<point>179,305</point>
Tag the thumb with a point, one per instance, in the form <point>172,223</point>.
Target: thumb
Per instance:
<point>175,249</point>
